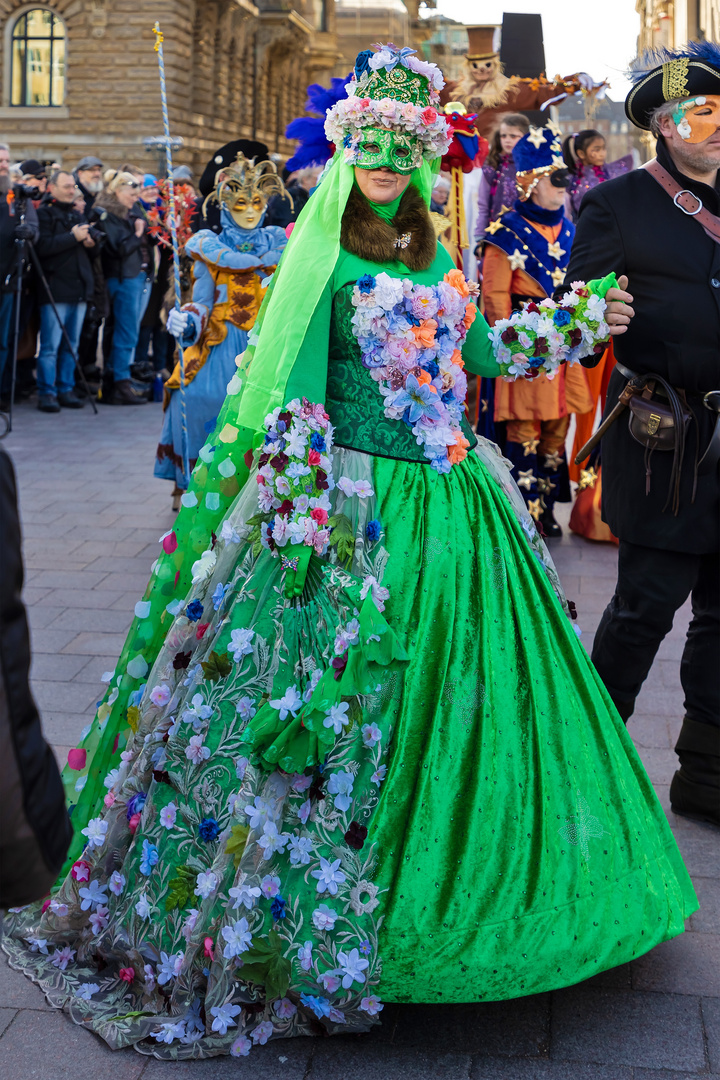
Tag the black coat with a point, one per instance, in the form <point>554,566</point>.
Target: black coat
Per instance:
<point>8,249</point>
<point>35,831</point>
<point>123,253</point>
<point>66,262</point>
<point>631,226</point>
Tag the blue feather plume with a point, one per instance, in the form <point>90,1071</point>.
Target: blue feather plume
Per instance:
<point>708,51</point>
<point>309,131</point>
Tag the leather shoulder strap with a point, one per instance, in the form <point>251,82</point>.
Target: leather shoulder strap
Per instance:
<point>685,200</point>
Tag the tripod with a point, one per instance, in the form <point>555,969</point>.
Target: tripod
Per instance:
<point>24,246</point>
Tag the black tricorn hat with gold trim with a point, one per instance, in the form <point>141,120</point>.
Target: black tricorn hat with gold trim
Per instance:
<point>661,75</point>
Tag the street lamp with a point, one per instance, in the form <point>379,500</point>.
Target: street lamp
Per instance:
<point>158,144</point>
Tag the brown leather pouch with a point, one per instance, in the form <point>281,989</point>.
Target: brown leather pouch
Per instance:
<point>654,420</point>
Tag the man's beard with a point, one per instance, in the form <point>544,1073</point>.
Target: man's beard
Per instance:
<point>4,183</point>
<point>697,160</point>
<point>94,186</point>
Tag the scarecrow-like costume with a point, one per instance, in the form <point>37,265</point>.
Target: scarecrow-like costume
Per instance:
<point>366,703</point>
<point>230,274</point>
<point>527,250</point>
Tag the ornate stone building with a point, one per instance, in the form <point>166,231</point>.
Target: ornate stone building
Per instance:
<point>673,22</point>
<point>81,76</point>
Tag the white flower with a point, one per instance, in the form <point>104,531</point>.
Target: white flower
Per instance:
<point>170,966</point>
<point>169,1031</point>
<point>143,908</point>
<point>270,886</point>
<point>238,938</point>
<point>99,919</point>
<point>95,832</point>
<point>93,895</point>
<point>198,713</point>
<point>111,777</point>
<point>337,718</point>
<point>229,534</point>
<point>305,956</point>
<point>86,990</point>
<point>189,925</point>
<point>160,695</point>
<point>241,1047</point>
<point>595,307</point>
<point>149,974</point>
<point>284,1008</point>
<point>240,643</point>
<point>378,776</point>
<point>371,735</point>
<point>62,957</point>
<point>353,965</point>
<point>371,1005</point>
<point>168,815</point>
<point>245,895</point>
<point>303,811</point>
<point>262,1033</point>
<point>224,1017</point>
<point>59,908</point>
<point>388,290</point>
<point>116,884</point>
<point>340,785</point>
<point>379,593</point>
<point>295,444</point>
<point>195,751</point>
<point>329,981</point>
<point>363,489</point>
<point>329,876</point>
<point>360,906</point>
<point>205,884</point>
<point>246,708</point>
<point>271,840</point>
<point>324,918</point>
<point>241,765</point>
<point>203,568</point>
<point>290,702</point>
<point>301,848</point>
<point>282,485</point>
<point>258,812</point>
<point>346,485</point>
<point>38,944</point>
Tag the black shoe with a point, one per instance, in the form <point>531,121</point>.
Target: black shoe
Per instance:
<point>69,401</point>
<point>48,403</point>
<point>551,529</point>
<point>698,801</point>
<point>125,395</point>
<point>143,372</point>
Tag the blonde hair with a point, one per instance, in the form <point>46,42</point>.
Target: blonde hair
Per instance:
<point>114,179</point>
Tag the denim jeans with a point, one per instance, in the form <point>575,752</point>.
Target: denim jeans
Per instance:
<point>6,329</point>
<point>55,363</point>
<point>127,299</point>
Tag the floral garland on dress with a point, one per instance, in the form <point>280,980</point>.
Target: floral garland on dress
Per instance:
<point>410,337</point>
<point>545,335</point>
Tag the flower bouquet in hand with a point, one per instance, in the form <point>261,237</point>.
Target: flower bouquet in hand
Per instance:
<point>548,333</point>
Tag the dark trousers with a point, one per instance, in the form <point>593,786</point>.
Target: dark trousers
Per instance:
<point>652,585</point>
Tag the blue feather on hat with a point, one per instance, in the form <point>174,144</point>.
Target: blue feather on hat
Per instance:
<point>707,51</point>
<point>309,131</point>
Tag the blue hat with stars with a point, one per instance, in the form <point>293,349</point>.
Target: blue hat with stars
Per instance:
<point>537,154</point>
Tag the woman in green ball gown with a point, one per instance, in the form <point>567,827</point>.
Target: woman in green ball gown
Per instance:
<point>353,750</point>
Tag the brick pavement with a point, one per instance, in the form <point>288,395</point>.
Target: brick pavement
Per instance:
<point>92,515</point>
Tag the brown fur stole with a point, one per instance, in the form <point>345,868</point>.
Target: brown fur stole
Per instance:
<point>366,235</point>
<point>107,200</point>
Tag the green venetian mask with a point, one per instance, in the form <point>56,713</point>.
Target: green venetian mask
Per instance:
<point>380,147</point>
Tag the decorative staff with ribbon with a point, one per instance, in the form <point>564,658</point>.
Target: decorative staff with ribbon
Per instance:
<point>159,38</point>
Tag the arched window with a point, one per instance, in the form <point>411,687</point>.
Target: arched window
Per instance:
<point>37,59</point>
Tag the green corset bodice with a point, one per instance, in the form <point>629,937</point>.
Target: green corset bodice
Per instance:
<point>354,402</point>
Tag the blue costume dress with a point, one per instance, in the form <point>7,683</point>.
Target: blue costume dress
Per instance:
<point>230,274</point>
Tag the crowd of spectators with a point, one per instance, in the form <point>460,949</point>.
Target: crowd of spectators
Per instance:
<point>85,268</point>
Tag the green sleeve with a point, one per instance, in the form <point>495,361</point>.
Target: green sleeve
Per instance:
<point>308,377</point>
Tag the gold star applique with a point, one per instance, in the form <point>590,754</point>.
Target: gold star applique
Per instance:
<point>545,485</point>
<point>526,479</point>
<point>494,226</point>
<point>555,128</point>
<point>536,137</point>
<point>485,403</point>
<point>552,461</point>
<point>588,479</point>
<point>535,506</point>
<point>517,260</point>
<point>530,447</point>
<point>555,251</point>
<point>504,209</point>
<point>558,276</point>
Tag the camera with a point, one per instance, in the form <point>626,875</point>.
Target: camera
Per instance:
<point>25,191</point>
<point>96,234</point>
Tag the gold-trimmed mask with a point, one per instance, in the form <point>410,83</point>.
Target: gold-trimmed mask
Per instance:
<point>379,147</point>
<point>243,189</point>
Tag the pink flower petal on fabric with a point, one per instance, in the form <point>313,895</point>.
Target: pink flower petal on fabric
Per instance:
<point>77,759</point>
<point>170,543</point>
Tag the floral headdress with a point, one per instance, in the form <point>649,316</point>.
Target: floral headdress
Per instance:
<point>391,89</point>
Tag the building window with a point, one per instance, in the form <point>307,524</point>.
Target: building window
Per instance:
<point>37,59</point>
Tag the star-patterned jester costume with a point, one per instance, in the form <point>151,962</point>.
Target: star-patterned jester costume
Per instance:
<point>384,771</point>
<point>526,253</point>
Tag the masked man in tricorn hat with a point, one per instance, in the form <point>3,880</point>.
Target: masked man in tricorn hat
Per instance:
<point>660,225</point>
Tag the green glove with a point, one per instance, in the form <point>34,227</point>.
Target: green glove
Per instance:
<point>295,573</point>
<point>600,286</point>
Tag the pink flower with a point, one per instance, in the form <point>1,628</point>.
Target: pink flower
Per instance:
<point>134,822</point>
<point>127,974</point>
<point>208,948</point>
<point>81,870</point>
<point>313,458</point>
<point>109,799</point>
<point>319,515</point>
<point>201,630</point>
<point>160,695</point>
<point>429,115</point>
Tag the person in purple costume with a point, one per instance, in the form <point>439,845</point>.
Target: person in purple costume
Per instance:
<point>585,155</point>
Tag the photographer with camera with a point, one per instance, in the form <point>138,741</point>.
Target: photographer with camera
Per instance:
<point>18,221</point>
<point>63,248</point>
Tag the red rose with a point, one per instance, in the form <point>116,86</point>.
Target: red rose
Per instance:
<point>200,632</point>
<point>134,822</point>
<point>429,115</point>
<point>313,458</point>
<point>127,974</point>
<point>319,515</point>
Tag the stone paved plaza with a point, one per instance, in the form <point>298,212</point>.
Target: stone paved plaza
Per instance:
<point>92,515</point>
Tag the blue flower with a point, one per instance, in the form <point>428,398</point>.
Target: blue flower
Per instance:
<point>219,595</point>
<point>365,948</point>
<point>135,804</point>
<point>418,400</point>
<point>319,1005</point>
<point>536,361</point>
<point>150,856</point>
<point>277,908</point>
<point>208,829</point>
<point>562,318</point>
<point>317,442</point>
<point>373,530</point>
<point>366,283</point>
<point>194,610</point>
<point>362,62</point>
<point>432,368</point>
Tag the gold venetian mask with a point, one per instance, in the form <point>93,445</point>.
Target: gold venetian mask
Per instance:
<point>243,189</point>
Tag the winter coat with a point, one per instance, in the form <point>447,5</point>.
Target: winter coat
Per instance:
<point>8,250</point>
<point>35,830</point>
<point>631,226</point>
<point>66,262</point>
<point>122,251</point>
